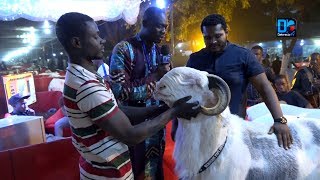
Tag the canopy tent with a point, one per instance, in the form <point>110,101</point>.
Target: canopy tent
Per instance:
<point>39,10</point>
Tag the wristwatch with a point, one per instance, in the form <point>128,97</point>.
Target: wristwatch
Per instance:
<point>282,120</point>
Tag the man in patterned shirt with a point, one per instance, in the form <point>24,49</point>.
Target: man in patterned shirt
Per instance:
<point>100,130</point>
<point>138,58</point>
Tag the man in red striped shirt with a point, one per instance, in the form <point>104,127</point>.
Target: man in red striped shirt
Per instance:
<point>100,130</point>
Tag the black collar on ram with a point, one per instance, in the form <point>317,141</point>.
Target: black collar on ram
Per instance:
<point>213,157</point>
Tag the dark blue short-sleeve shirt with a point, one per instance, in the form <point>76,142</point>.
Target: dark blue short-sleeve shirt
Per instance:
<point>235,65</point>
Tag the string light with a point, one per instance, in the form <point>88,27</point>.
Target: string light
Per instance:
<point>29,38</point>
<point>108,10</point>
<point>41,10</point>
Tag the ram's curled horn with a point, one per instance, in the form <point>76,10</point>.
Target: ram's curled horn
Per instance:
<point>221,91</point>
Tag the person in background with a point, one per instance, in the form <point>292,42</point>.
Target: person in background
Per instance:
<point>138,58</point>
<point>258,53</point>
<point>253,97</point>
<point>3,66</point>
<point>18,103</point>
<point>266,61</point>
<point>276,65</point>
<point>20,109</point>
<point>291,97</point>
<point>102,68</point>
<point>307,82</point>
<point>315,64</point>
<point>238,66</point>
<point>63,122</point>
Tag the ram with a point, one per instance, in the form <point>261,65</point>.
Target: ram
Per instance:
<point>219,145</point>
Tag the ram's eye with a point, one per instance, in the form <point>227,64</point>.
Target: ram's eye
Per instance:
<point>162,87</point>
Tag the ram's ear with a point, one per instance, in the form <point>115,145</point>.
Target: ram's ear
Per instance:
<point>200,81</point>
<point>187,80</point>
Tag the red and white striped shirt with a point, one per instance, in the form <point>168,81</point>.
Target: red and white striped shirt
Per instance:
<point>88,101</point>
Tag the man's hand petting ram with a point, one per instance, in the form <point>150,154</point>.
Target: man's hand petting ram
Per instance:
<point>186,110</point>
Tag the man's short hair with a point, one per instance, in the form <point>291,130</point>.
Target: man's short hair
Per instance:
<point>151,13</point>
<point>71,25</point>
<point>257,47</point>
<point>213,20</point>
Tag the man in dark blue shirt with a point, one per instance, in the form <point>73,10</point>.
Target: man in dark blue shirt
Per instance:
<point>237,66</point>
<point>233,64</point>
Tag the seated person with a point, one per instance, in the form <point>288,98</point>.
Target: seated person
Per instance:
<point>307,83</point>
<point>62,122</point>
<point>19,105</point>
<point>289,96</point>
<point>20,109</point>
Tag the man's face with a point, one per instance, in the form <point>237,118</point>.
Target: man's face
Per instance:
<point>281,86</point>
<point>258,53</point>
<point>20,106</point>
<point>92,44</point>
<point>316,64</point>
<point>157,28</point>
<point>215,38</point>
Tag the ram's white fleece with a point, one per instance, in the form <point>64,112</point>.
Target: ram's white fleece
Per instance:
<point>250,153</point>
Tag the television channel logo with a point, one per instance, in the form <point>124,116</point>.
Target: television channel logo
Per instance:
<point>286,27</point>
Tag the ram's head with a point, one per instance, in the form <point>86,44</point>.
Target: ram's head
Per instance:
<point>210,90</point>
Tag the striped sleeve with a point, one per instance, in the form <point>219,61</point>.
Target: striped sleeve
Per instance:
<point>94,99</point>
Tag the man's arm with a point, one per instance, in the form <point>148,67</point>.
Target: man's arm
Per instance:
<point>269,96</point>
<point>119,126</point>
<point>137,115</point>
<point>301,101</point>
<point>120,62</point>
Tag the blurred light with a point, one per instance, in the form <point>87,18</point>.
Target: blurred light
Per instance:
<point>161,4</point>
<point>180,50</point>
<point>46,27</point>
<point>39,57</point>
<point>61,53</point>
<point>260,44</point>
<point>301,42</point>
<point>46,24</point>
<point>54,54</point>
<point>47,31</point>
<point>30,39</point>
<point>198,43</point>
<point>16,53</point>
<point>280,41</point>
<point>279,46</point>
<point>179,45</point>
<point>32,29</point>
<point>316,42</point>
